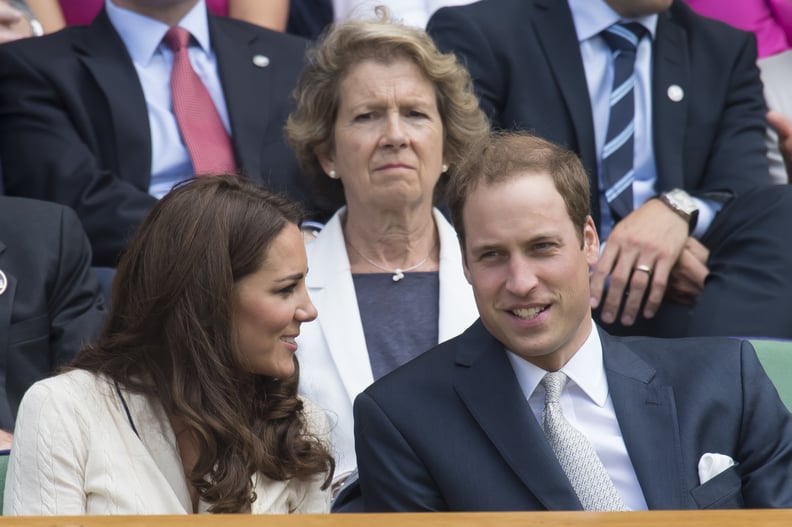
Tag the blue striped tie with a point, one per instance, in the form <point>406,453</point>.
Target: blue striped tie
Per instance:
<point>617,154</point>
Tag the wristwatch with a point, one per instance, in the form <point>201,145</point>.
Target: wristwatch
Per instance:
<point>683,204</point>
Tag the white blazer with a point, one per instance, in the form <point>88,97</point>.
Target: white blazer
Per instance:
<point>75,452</point>
<point>334,361</point>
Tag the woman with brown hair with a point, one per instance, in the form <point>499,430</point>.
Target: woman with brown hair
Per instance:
<point>188,400</point>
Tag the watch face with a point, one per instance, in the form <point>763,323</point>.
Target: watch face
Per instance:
<point>683,201</point>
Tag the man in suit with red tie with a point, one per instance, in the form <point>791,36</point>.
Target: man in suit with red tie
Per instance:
<point>106,118</point>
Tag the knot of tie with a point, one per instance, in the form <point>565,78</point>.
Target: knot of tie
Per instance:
<point>624,37</point>
<point>553,383</point>
<point>177,38</point>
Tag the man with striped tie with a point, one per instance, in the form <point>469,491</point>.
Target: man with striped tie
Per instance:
<point>665,109</point>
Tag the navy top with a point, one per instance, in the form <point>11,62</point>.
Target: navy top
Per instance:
<point>399,318</point>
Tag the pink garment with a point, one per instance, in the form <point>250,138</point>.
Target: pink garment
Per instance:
<point>769,20</point>
<point>82,12</point>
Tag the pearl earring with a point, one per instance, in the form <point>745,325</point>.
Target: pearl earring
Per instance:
<point>444,168</point>
<point>332,174</point>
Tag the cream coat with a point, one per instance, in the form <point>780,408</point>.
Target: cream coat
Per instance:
<point>75,452</point>
<point>334,362</point>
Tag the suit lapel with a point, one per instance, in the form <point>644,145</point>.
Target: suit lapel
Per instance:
<point>646,411</point>
<point>556,32</point>
<point>489,389</point>
<point>6,307</point>
<point>247,87</point>
<point>333,293</point>
<point>671,68</point>
<point>104,55</point>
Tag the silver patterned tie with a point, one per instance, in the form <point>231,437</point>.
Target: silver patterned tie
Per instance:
<point>577,457</point>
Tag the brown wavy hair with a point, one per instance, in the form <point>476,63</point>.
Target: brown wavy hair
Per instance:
<point>344,46</point>
<point>169,336</point>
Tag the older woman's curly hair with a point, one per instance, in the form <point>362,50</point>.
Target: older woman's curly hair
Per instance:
<point>170,335</point>
<point>310,127</point>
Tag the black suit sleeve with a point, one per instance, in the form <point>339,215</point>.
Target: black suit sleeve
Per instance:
<point>57,304</point>
<point>737,160</point>
<point>76,304</point>
<point>392,476</point>
<point>453,32</point>
<point>47,149</point>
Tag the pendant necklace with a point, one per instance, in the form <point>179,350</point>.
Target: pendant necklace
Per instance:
<point>398,273</point>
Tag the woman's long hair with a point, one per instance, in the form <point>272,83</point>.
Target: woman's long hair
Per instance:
<point>170,335</point>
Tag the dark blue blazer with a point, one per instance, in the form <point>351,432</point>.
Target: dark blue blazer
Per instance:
<point>525,61</point>
<point>51,303</point>
<point>452,430</point>
<point>74,125</point>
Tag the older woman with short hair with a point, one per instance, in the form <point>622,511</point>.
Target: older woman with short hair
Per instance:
<point>381,115</point>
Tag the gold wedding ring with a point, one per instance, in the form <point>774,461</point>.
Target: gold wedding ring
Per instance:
<point>645,268</point>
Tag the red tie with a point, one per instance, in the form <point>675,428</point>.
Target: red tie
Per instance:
<point>201,127</point>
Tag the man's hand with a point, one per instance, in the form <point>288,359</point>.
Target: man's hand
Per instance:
<point>688,275</point>
<point>13,24</point>
<point>783,128</point>
<point>651,238</point>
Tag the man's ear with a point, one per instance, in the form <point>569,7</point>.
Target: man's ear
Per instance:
<point>591,244</point>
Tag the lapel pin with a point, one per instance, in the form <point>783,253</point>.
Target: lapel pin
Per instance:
<point>262,61</point>
<point>3,282</point>
<point>676,93</point>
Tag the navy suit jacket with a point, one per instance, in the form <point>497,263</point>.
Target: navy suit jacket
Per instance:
<point>525,61</point>
<point>452,429</point>
<point>52,302</point>
<point>74,125</point>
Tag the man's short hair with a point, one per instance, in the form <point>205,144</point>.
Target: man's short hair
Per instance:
<point>505,155</point>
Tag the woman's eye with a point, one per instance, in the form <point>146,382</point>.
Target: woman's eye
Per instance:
<point>288,289</point>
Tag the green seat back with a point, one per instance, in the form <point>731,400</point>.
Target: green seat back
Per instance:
<point>776,357</point>
<point>3,468</point>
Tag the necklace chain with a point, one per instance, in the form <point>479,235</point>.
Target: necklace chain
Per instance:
<point>398,273</point>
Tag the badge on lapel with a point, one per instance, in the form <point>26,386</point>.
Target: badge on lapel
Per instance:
<point>3,282</point>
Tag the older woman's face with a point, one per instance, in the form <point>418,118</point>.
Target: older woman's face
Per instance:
<point>388,136</point>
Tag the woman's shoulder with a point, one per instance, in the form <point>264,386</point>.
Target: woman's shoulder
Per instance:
<point>72,388</point>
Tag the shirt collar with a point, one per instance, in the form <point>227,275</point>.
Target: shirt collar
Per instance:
<point>585,368</point>
<point>143,35</point>
<point>592,17</point>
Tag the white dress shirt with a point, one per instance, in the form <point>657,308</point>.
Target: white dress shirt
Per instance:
<point>142,36</point>
<point>591,18</point>
<point>587,405</point>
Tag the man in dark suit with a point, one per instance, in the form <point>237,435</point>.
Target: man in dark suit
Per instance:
<point>50,301</point>
<point>673,424</point>
<point>706,253</point>
<point>86,117</point>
